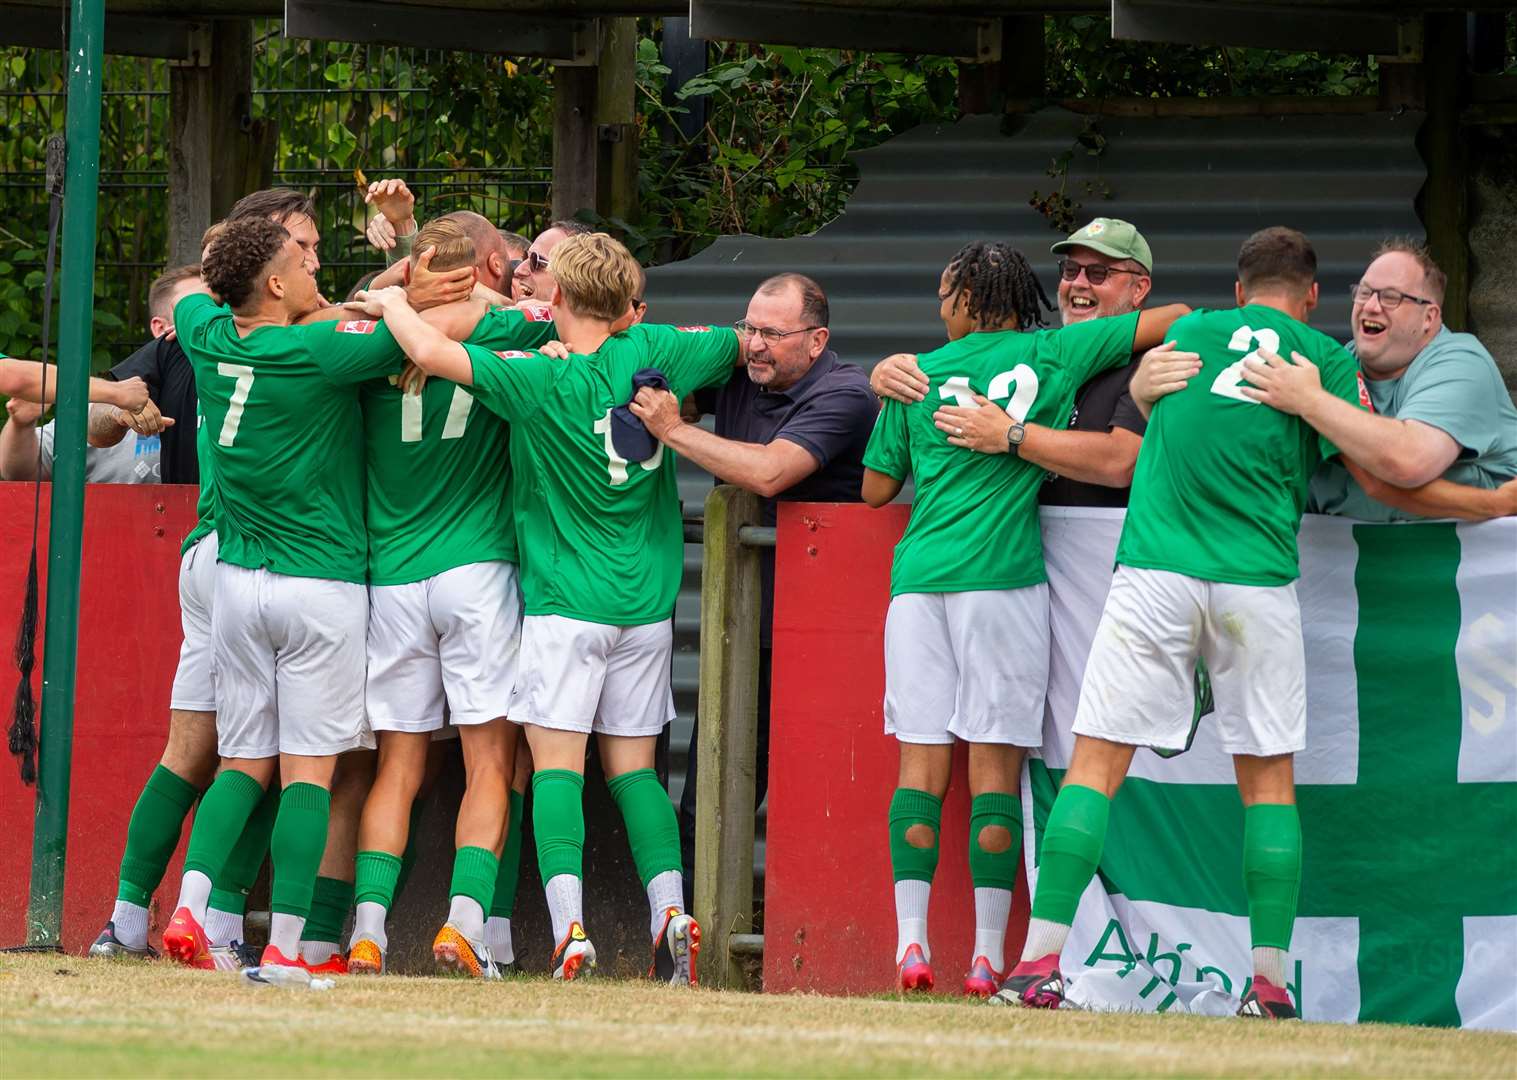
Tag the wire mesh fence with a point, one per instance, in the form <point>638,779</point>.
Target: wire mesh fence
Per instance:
<point>333,108</point>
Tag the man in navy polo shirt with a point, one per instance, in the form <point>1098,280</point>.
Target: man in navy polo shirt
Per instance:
<point>791,425</point>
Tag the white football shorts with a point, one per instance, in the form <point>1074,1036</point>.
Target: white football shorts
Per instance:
<point>450,640</point>
<point>290,654</point>
<point>967,665</point>
<point>584,676</point>
<point>195,678</point>
<point>1139,687</point>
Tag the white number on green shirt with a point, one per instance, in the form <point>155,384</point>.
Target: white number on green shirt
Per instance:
<point>1023,377</point>
<point>233,420</point>
<point>1227,382</point>
<point>452,428</point>
<point>616,465</point>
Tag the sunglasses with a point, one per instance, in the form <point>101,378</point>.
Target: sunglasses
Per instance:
<point>1095,273</point>
<point>536,263</point>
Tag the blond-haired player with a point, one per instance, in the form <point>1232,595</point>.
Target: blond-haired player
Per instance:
<point>598,516</point>
<point>444,629</point>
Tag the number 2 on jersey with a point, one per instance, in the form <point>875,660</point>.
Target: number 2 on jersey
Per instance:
<point>958,390</point>
<point>1227,382</point>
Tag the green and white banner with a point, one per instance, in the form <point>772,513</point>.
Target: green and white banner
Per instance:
<point>1407,789</point>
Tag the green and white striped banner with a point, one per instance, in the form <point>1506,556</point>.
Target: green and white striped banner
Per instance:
<point>1407,789</point>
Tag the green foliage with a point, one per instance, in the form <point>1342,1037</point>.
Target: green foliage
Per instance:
<point>781,122</point>
<point>1084,62</point>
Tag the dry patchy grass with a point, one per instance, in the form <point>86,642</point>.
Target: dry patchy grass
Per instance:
<point>72,1017</point>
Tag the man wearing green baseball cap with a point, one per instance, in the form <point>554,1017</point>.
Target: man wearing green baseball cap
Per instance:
<point>1104,269</point>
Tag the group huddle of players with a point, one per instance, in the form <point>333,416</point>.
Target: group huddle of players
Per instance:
<point>411,524</point>
<point>416,524</point>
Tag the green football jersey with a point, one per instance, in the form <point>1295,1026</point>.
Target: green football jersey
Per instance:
<point>601,537</point>
<point>439,491</point>
<point>1222,479</point>
<point>974,520</point>
<point>286,436</point>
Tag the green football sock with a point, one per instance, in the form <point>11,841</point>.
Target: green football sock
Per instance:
<point>1271,872</point>
<point>510,863</point>
<point>153,833</point>
<point>300,836</point>
<point>331,900</point>
<point>909,808</point>
<point>230,888</point>
<point>994,869</point>
<point>1072,843</point>
<point>408,856</point>
<point>376,878</point>
<point>474,873</point>
<point>558,819</point>
<point>652,829</point>
<point>224,811</point>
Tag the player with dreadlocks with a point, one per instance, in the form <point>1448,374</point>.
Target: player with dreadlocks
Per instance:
<point>969,594</point>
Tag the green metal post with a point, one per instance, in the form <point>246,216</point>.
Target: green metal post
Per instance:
<point>44,914</point>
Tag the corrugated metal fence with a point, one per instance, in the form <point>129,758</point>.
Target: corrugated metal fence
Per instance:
<point>1195,187</point>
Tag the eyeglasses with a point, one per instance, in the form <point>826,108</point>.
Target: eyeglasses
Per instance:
<point>1095,273</point>
<point>512,264</point>
<point>770,335</point>
<point>1390,299</point>
<point>536,262</point>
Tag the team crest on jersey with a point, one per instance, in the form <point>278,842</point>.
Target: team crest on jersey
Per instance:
<point>356,326</point>
<point>1364,392</point>
<point>511,354</point>
<point>693,329</point>
<point>537,314</point>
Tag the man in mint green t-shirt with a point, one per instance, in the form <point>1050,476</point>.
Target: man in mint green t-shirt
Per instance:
<point>967,634</point>
<point>1206,567</point>
<point>601,544</point>
<point>1444,430</point>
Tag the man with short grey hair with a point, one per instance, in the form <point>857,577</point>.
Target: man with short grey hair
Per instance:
<point>791,425</point>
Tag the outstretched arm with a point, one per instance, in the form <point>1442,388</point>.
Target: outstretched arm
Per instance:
<point>1439,498</point>
<point>429,348</point>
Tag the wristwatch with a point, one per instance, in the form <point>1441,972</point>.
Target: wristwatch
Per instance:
<point>1014,436</point>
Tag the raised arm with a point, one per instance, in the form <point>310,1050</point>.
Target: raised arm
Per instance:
<point>1154,324</point>
<point>24,379</point>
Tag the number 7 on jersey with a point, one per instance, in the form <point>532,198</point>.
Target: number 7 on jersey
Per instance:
<point>233,420</point>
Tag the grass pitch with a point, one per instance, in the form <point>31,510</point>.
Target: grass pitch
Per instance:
<point>71,1017</point>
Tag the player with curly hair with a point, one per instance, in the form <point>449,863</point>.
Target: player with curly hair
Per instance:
<point>966,636</point>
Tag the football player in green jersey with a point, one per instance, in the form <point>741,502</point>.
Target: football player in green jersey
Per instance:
<point>444,631</point>
<point>1206,566</point>
<point>601,545</point>
<point>966,637</point>
<point>280,403</point>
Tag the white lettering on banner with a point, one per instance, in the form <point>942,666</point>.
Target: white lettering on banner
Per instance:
<point>1486,653</point>
<point>1484,995</point>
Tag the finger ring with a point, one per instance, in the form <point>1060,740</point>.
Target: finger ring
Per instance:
<point>958,431</point>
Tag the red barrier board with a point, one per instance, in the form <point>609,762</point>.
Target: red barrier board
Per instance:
<point>829,906</point>
<point>128,648</point>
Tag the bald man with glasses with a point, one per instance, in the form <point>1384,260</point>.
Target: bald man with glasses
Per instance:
<point>791,425</point>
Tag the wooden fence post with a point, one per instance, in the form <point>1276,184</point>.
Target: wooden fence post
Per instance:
<point>728,733</point>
